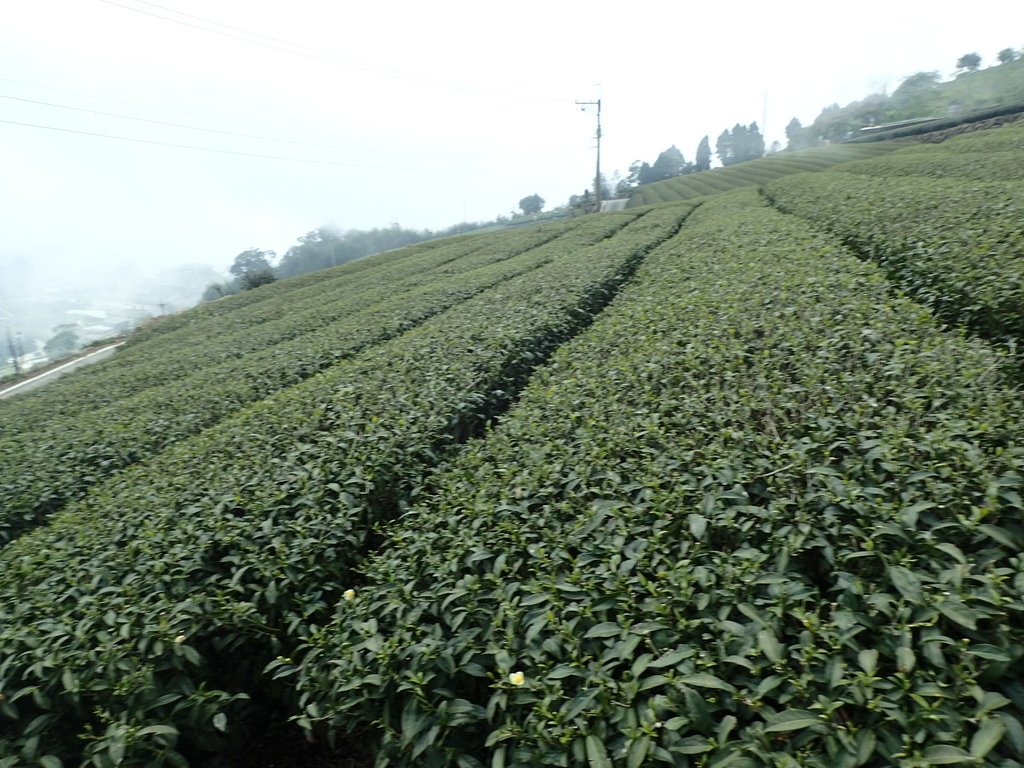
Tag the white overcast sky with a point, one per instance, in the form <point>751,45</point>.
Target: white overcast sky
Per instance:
<point>420,113</point>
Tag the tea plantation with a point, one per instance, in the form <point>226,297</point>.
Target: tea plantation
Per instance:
<point>731,481</point>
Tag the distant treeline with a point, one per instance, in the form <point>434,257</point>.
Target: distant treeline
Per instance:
<point>321,248</point>
<point>921,95</point>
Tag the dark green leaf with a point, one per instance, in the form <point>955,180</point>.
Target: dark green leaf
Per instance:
<point>597,755</point>
<point>945,754</point>
<point>606,629</point>
<point>791,720</point>
<point>988,735</point>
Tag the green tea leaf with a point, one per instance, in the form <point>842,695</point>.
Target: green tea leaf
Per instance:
<point>945,754</point>
<point>999,534</point>
<point>987,736</point>
<point>704,680</point>
<point>597,755</point>
<point>906,583</point>
<point>958,613</point>
<point>868,660</point>
<point>693,745</point>
<point>605,629</point>
<point>638,752</point>
<point>672,658</point>
<point>769,645</point>
<point>991,652</point>
<point>791,720</point>
<point>725,727</point>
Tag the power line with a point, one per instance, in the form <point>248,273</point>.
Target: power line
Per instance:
<point>127,103</point>
<point>312,161</point>
<point>189,127</point>
<point>299,142</point>
<point>298,49</point>
<point>217,131</point>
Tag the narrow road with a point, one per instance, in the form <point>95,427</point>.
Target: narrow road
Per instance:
<point>43,378</point>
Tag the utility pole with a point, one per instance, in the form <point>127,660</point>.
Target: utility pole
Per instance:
<point>597,176</point>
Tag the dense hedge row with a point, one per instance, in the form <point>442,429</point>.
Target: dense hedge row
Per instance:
<point>955,245</point>
<point>203,338</point>
<point>42,469</point>
<point>135,627</point>
<point>232,305</point>
<point>981,156</point>
<point>762,513</point>
<point>753,172</point>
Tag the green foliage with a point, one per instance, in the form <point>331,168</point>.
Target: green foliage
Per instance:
<point>63,342</point>
<point>969,62</point>
<point>762,512</point>
<point>256,278</point>
<point>741,144</point>
<point>669,164</point>
<point>692,485</point>
<point>923,94</point>
<point>324,248</point>
<point>703,158</point>
<point>954,244</point>
<point>218,290</point>
<point>141,618</point>
<point>755,172</point>
<point>917,96</point>
<point>192,381</point>
<point>251,262</point>
<point>532,204</point>
<point>797,137</point>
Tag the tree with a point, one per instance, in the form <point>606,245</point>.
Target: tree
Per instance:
<point>633,176</point>
<point>745,142</point>
<point>218,290</point>
<point>969,62</point>
<point>918,81</point>
<point>63,342</point>
<point>797,137</point>
<point>256,279</point>
<point>253,268</point>
<point>1007,55</point>
<point>753,144</point>
<point>532,204</point>
<point>582,203</point>
<point>723,148</point>
<point>917,96</point>
<point>703,160</point>
<point>646,174</point>
<point>252,260</point>
<point>670,163</point>
<point>327,247</point>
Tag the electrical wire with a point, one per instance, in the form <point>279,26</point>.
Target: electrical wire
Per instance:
<point>299,142</point>
<point>312,161</point>
<point>127,103</point>
<point>298,49</point>
<point>221,132</point>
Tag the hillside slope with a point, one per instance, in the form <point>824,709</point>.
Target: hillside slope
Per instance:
<point>754,172</point>
<point>734,481</point>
